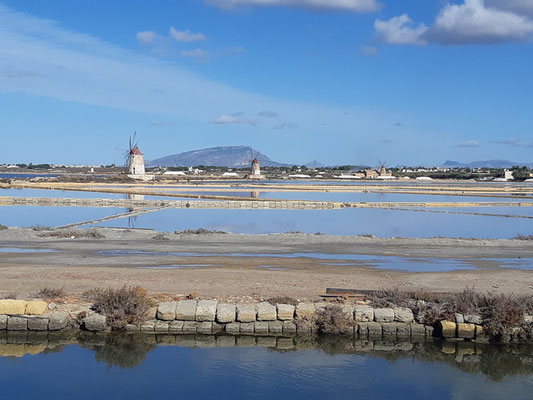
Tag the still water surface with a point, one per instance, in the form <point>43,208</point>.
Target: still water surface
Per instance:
<point>148,366</point>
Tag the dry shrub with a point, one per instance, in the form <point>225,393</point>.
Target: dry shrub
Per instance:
<point>332,319</point>
<point>51,293</point>
<point>283,300</point>
<point>199,231</point>
<point>127,305</point>
<point>72,234</point>
<point>40,228</point>
<point>501,314</point>
<point>523,237</point>
<point>390,298</point>
<point>161,236</point>
<point>2,227</point>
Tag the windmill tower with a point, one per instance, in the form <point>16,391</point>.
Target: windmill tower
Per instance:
<point>383,170</point>
<point>256,168</point>
<point>135,158</point>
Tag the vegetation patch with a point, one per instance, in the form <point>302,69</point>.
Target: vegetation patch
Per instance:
<point>161,236</point>
<point>282,300</point>
<point>40,228</point>
<point>199,231</point>
<point>51,293</point>
<point>2,227</point>
<point>127,305</point>
<point>523,237</point>
<point>332,319</point>
<point>73,234</point>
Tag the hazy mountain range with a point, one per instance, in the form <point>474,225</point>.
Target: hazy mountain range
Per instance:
<point>485,164</point>
<point>230,156</point>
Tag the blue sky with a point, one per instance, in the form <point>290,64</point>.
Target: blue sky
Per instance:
<point>340,81</point>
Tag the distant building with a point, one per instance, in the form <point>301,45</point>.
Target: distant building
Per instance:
<point>256,168</point>
<point>508,175</point>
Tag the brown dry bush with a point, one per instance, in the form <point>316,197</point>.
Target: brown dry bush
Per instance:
<point>87,234</point>
<point>332,319</point>
<point>2,227</point>
<point>283,300</point>
<point>127,305</point>
<point>51,293</point>
<point>502,313</point>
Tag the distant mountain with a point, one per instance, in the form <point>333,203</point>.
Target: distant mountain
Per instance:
<point>231,157</point>
<point>314,164</point>
<point>485,164</point>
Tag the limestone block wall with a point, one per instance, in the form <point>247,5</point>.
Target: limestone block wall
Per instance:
<point>261,319</point>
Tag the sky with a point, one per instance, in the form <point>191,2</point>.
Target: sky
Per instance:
<point>339,81</point>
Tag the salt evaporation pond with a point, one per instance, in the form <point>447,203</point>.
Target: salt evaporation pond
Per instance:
<point>347,221</point>
<point>201,367</point>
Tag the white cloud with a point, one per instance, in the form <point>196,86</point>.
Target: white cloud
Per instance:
<point>200,54</point>
<point>267,114</point>
<point>146,37</point>
<point>471,22</point>
<point>400,30</point>
<point>285,125</point>
<point>468,143</point>
<point>517,6</point>
<point>234,119</point>
<point>517,142</point>
<point>186,36</point>
<point>360,6</point>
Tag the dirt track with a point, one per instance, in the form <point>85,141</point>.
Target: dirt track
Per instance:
<point>78,265</point>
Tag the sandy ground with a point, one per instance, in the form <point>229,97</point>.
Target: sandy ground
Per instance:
<point>78,264</point>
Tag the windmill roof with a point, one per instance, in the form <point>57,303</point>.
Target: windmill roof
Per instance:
<point>255,161</point>
<point>135,150</point>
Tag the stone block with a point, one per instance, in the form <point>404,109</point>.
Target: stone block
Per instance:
<point>459,318</point>
<point>364,313</point>
<point>374,329</point>
<point>305,311</point>
<point>206,310</point>
<point>225,341</point>
<point>17,324</point>
<point>95,323</point>
<point>466,331</point>
<point>217,328</point>
<point>36,307</point>
<point>151,313</point>
<point>190,326</point>
<point>3,322</point>
<point>289,327</point>
<point>266,312</point>
<point>429,331</point>
<point>38,324</point>
<point>132,328</point>
<point>58,321</point>
<point>265,341</point>
<point>246,313</point>
<point>261,327</point>
<point>474,319</point>
<point>275,327</point>
<point>447,329</point>
<point>148,326</point>
<point>403,330</point>
<point>348,310</point>
<point>404,315</point>
<point>204,327</point>
<point>528,319</point>
<point>362,329</point>
<point>225,313</point>
<point>233,327</point>
<point>186,310</point>
<point>13,307</point>
<point>304,327</point>
<point>418,330</point>
<point>167,311</point>
<point>161,327</point>
<point>285,312</point>
<point>175,327</point>
<point>245,341</point>
<point>247,328</point>
<point>383,314</point>
<point>389,328</point>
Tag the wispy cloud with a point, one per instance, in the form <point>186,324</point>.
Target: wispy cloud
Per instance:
<point>468,143</point>
<point>471,22</point>
<point>285,125</point>
<point>162,123</point>
<point>359,6</point>
<point>516,142</point>
<point>232,119</point>
<point>198,54</point>
<point>186,36</point>
<point>146,37</point>
<point>267,114</point>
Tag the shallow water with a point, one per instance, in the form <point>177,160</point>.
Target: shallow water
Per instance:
<point>163,366</point>
<point>19,250</point>
<point>412,264</point>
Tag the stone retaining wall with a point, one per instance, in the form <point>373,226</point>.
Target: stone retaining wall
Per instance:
<point>212,317</point>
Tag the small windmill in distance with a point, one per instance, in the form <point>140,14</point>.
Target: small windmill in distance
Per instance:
<point>133,157</point>
<point>256,168</point>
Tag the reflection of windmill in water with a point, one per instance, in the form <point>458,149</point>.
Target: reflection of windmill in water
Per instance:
<point>133,157</point>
